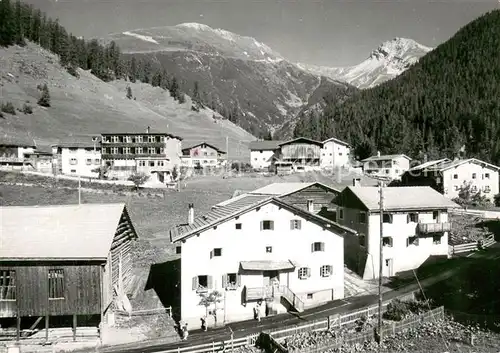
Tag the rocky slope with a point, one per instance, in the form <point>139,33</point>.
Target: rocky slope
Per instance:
<point>389,60</point>
<point>236,72</point>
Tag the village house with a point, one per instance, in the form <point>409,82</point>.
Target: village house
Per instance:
<point>258,248</point>
<point>67,262</point>
<point>13,155</point>
<point>203,155</point>
<point>41,161</point>
<point>415,227</point>
<point>387,166</point>
<point>77,159</point>
<point>335,154</point>
<point>153,154</point>
<point>263,153</point>
<point>451,177</point>
<point>299,154</point>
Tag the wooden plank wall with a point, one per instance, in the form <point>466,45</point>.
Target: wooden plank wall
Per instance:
<point>82,292</point>
<point>300,151</point>
<point>322,197</point>
<point>121,249</point>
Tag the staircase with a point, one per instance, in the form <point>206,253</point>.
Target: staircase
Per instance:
<point>291,298</point>
<point>275,294</point>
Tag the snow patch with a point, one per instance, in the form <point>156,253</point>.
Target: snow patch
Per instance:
<point>281,108</point>
<point>140,36</point>
<point>196,26</point>
<point>294,101</point>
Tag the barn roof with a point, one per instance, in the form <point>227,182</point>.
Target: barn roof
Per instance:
<point>264,145</point>
<point>283,189</point>
<point>302,139</point>
<point>63,232</point>
<point>203,143</point>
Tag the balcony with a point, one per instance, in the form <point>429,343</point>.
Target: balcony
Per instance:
<point>11,160</point>
<point>428,228</point>
<point>262,293</point>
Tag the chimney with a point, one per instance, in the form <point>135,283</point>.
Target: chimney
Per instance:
<point>356,182</point>
<point>310,206</point>
<point>378,153</point>
<point>147,129</point>
<point>191,214</point>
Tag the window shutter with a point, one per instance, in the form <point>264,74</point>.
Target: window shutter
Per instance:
<point>211,254</point>
<point>272,225</point>
<point>195,282</point>
<point>299,224</point>
<point>210,282</point>
<point>224,281</point>
<point>291,224</point>
<point>330,268</point>
<point>312,247</point>
<point>261,225</point>
<point>408,218</point>
<point>322,246</point>
<point>308,272</point>
<point>238,280</point>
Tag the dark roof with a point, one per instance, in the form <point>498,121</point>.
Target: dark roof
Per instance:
<point>220,214</point>
<point>141,133</point>
<point>303,139</point>
<point>264,145</point>
<point>204,143</point>
<point>78,145</point>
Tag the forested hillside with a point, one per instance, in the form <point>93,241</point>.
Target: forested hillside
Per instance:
<point>450,98</point>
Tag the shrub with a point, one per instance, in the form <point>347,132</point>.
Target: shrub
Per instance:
<point>27,109</point>
<point>497,200</point>
<point>44,99</point>
<point>396,310</point>
<point>8,108</point>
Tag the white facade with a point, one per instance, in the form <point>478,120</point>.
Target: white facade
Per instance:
<point>482,177</point>
<point>78,161</point>
<point>390,166</point>
<point>242,239</point>
<point>335,154</point>
<point>261,159</point>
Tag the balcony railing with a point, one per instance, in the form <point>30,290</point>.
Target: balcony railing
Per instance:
<point>262,293</point>
<point>426,228</point>
<point>12,159</point>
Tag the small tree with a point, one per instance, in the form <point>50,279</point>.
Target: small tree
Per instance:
<point>129,92</point>
<point>138,179</point>
<point>102,172</point>
<point>44,100</point>
<point>175,174</point>
<point>209,299</point>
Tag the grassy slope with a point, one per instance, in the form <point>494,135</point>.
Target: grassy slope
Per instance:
<point>84,107</point>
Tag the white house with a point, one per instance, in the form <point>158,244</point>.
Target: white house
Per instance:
<point>78,159</point>
<point>388,166</point>
<point>262,153</point>
<point>203,155</point>
<point>258,248</point>
<point>449,177</point>
<point>335,154</point>
<point>13,154</point>
<point>415,227</point>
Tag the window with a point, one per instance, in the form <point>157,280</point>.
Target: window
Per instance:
<point>326,270</point>
<point>114,150</point>
<point>160,163</point>
<point>435,215</point>
<point>455,176</point>
<point>362,239</point>
<point>217,252</point>
<point>73,170</point>
<point>56,284</point>
<point>340,153</point>
<point>269,249</point>
<point>295,224</point>
<point>73,161</point>
<point>231,281</point>
<point>266,225</point>
<point>309,295</point>
<point>126,150</point>
<point>473,188</point>
<point>97,161</point>
<point>318,246</point>
<point>487,189</point>
<point>412,241</point>
<point>362,217</point>
<point>387,218</point>
<point>88,161</point>
<point>115,139</point>
<point>139,150</point>
<point>142,163</point>
<point>456,188</point>
<point>436,239</point>
<point>237,226</point>
<point>341,213</point>
<point>151,163</point>
<point>304,272</point>
<point>7,285</point>
<point>412,218</point>
<point>487,175</point>
<point>151,150</point>
<point>162,151</point>
<point>178,249</point>
<point>138,139</point>
<point>474,175</point>
<point>151,139</point>
<point>202,283</point>
<point>127,139</point>
<point>387,241</point>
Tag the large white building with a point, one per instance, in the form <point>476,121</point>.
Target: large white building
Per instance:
<point>77,159</point>
<point>263,153</point>
<point>258,248</point>
<point>415,227</point>
<point>387,166</point>
<point>450,177</point>
<point>335,154</point>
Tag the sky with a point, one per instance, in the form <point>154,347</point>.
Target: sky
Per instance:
<point>320,32</point>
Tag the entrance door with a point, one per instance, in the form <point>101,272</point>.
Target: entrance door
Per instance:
<point>270,277</point>
<point>389,267</point>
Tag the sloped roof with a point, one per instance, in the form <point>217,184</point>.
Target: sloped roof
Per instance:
<point>401,198</point>
<point>385,157</point>
<point>203,143</point>
<point>336,140</point>
<point>283,189</point>
<point>245,203</point>
<point>452,164</point>
<point>68,232</point>
<point>264,145</point>
<point>311,141</point>
<point>430,164</point>
<point>78,145</point>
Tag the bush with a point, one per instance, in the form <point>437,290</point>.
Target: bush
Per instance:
<point>396,310</point>
<point>27,109</point>
<point>44,99</point>
<point>497,200</point>
<point>8,108</point>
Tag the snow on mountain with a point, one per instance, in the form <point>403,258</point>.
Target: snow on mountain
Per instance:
<point>386,62</point>
<point>139,36</point>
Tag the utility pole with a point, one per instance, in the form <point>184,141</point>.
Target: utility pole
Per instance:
<point>227,154</point>
<point>79,190</point>
<point>381,259</point>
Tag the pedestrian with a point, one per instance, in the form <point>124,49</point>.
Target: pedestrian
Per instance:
<point>203,323</point>
<point>185,332</point>
<point>257,312</point>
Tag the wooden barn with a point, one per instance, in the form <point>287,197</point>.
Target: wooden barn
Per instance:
<point>67,261</point>
<point>304,153</point>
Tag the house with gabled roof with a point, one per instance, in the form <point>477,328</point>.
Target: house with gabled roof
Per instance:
<point>300,154</point>
<point>451,177</point>
<point>390,166</point>
<point>70,261</point>
<point>263,153</point>
<point>415,227</point>
<point>203,155</point>
<point>335,154</point>
<point>256,248</point>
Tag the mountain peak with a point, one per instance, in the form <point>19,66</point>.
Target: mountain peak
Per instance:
<point>195,25</point>
<point>398,48</point>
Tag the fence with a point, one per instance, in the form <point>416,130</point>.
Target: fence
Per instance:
<point>389,328</point>
<point>217,346</point>
<point>472,246</point>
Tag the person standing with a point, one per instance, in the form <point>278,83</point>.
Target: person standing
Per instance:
<point>257,312</point>
<point>204,323</point>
